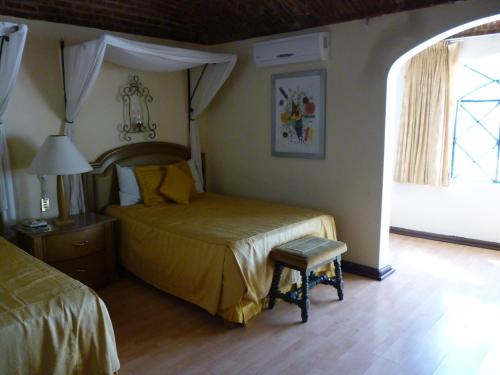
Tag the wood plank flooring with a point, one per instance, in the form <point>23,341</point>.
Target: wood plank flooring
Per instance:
<point>438,314</point>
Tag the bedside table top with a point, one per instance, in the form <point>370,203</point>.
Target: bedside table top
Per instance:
<point>81,221</point>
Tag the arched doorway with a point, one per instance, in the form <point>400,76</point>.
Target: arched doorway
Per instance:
<point>393,105</point>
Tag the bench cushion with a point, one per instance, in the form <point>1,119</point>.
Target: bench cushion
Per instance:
<point>308,252</point>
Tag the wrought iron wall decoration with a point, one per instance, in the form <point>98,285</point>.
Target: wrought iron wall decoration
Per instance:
<point>135,98</point>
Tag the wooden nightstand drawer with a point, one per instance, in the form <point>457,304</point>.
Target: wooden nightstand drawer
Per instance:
<point>74,244</point>
<point>90,269</point>
<point>85,250</point>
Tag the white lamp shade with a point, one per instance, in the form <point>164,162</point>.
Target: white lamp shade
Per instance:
<point>58,156</point>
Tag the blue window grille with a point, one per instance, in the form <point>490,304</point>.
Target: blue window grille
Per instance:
<point>476,134</point>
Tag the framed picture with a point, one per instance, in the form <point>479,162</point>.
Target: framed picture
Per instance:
<point>298,114</point>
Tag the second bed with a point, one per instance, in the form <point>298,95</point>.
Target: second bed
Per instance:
<point>213,252</point>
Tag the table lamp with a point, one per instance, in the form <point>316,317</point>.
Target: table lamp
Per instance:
<point>59,156</point>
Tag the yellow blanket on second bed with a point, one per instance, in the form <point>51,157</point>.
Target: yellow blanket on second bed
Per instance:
<point>214,251</point>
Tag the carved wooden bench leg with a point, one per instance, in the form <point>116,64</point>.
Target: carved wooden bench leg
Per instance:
<point>339,281</point>
<point>301,255</point>
<point>304,303</point>
<point>275,286</point>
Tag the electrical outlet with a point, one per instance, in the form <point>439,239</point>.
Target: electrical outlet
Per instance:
<point>44,204</point>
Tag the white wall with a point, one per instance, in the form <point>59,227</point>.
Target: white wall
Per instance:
<point>465,209</point>
<point>470,210</point>
<point>349,183</point>
<point>36,108</point>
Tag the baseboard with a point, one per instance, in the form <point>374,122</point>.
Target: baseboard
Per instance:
<point>366,271</point>
<point>445,238</point>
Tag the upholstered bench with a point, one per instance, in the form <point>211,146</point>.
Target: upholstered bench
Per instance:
<point>305,255</point>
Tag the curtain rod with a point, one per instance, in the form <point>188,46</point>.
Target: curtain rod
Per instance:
<point>458,39</point>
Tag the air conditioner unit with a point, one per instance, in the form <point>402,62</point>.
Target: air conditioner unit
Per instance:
<point>296,49</point>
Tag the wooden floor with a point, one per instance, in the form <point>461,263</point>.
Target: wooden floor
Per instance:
<point>438,314</point>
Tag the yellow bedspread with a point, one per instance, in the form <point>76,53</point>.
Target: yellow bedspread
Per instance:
<point>50,323</point>
<point>214,251</point>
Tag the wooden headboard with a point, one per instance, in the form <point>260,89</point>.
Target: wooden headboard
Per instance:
<point>101,184</point>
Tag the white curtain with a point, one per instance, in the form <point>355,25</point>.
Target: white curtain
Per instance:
<point>83,63</point>
<point>424,139</point>
<point>14,38</point>
<point>211,81</point>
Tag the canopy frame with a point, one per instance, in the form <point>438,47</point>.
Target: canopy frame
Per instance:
<point>191,95</point>
<point>63,69</point>
<point>84,63</point>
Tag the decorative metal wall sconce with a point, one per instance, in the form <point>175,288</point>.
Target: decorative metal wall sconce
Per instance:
<point>135,98</point>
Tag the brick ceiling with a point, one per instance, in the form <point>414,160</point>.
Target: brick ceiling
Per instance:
<point>205,21</point>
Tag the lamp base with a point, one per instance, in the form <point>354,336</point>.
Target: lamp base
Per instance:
<point>62,204</point>
<point>63,222</point>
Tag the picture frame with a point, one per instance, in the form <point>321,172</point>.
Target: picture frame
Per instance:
<point>298,114</point>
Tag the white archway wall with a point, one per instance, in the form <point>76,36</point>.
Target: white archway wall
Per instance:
<point>349,182</point>
<point>464,209</point>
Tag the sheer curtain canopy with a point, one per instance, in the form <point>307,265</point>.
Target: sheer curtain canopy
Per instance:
<point>13,38</point>
<point>82,64</point>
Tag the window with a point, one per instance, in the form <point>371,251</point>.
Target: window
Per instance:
<point>476,133</point>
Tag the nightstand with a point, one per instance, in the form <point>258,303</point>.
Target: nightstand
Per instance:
<point>84,250</point>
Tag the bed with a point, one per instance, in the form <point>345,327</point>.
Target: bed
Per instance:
<point>49,322</point>
<point>212,252</point>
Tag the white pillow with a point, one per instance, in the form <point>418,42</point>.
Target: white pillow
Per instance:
<point>197,181</point>
<point>129,188</point>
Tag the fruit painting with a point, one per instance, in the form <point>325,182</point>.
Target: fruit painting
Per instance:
<point>298,114</point>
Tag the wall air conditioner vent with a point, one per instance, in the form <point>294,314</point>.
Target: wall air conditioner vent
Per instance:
<point>296,49</point>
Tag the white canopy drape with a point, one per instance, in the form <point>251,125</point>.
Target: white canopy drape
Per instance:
<point>13,38</point>
<point>82,63</point>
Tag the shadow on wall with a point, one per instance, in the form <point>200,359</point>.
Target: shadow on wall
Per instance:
<point>403,30</point>
<point>23,182</point>
<point>48,82</point>
<point>21,160</point>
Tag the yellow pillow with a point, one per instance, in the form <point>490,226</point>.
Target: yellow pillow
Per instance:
<point>184,166</point>
<point>150,178</point>
<point>176,185</point>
